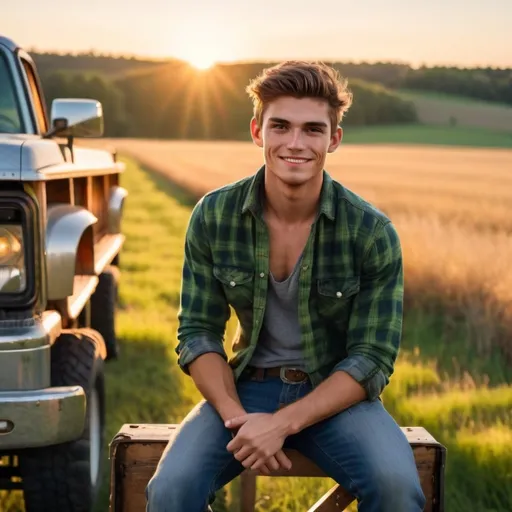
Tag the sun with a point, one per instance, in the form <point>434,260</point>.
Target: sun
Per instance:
<point>198,41</point>
<point>201,62</point>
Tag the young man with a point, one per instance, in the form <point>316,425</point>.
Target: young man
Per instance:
<point>315,276</point>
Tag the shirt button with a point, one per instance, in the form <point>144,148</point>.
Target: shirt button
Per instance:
<point>232,283</point>
<point>305,267</point>
<point>262,274</point>
<point>339,294</point>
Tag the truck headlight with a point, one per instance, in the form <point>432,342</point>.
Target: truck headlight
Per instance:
<point>19,238</point>
<point>13,275</point>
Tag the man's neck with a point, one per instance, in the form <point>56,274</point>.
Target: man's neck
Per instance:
<point>292,205</point>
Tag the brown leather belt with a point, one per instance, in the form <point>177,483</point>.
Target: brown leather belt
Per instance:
<point>287,374</point>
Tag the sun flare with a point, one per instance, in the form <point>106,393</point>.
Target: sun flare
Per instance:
<point>201,62</point>
<point>197,42</point>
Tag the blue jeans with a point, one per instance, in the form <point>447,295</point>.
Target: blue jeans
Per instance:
<point>361,448</point>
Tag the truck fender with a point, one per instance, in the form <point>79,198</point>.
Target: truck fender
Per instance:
<point>67,225</point>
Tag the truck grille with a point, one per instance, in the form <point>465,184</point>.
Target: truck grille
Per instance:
<point>17,315</point>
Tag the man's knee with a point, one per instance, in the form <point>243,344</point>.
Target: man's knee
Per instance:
<point>174,490</point>
<point>162,494</point>
<point>396,489</point>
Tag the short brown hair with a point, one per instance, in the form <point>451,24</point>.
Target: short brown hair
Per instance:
<point>301,79</point>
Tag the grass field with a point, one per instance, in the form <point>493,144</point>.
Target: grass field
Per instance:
<point>444,109</point>
<point>460,100</point>
<point>432,134</point>
<point>458,388</point>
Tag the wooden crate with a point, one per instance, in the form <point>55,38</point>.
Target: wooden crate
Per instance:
<point>137,448</point>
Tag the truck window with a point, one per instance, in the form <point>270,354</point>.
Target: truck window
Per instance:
<point>10,119</point>
<point>36,97</point>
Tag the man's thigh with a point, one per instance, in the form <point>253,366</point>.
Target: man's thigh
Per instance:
<point>361,448</point>
<point>198,449</point>
<point>197,452</point>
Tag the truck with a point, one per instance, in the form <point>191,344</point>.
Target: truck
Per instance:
<point>61,206</point>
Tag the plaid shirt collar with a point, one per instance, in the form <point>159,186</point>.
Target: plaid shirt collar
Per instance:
<point>252,201</point>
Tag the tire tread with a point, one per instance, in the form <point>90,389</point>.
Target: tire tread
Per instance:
<point>56,477</point>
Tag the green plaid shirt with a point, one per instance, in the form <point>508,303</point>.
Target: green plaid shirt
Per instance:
<point>350,284</point>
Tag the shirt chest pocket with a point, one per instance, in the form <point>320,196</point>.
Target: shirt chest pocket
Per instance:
<point>238,286</point>
<point>335,297</point>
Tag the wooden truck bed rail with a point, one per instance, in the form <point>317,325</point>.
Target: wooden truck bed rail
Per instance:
<point>137,448</point>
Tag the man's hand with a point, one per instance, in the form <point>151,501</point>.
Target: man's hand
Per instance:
<point>259,441</point>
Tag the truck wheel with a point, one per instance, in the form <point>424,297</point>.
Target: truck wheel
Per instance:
<point>103,309</point>
<point>66,477</point>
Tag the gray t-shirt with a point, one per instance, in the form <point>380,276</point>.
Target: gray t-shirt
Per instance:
<point>279,342</point>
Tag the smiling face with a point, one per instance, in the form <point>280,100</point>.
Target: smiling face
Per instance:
<point>295,136</point>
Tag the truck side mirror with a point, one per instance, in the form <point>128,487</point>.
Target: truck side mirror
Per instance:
<point>76,118</point>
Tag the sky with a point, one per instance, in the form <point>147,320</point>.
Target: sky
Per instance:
<point>417,32</point>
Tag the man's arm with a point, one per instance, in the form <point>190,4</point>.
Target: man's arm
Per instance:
<point>202,318</point>
<point>373,338</point>
<point>214,379</point>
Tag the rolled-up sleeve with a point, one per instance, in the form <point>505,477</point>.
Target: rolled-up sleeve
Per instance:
<point>204,309</point>
<point>375,325</point>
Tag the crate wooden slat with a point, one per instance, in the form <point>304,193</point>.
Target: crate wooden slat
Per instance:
<point>137,448</point>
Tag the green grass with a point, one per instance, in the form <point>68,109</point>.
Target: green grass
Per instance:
<point>145,384</point>
<point>427,134</point>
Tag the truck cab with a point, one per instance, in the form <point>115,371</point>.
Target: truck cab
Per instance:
<point>61,206</point>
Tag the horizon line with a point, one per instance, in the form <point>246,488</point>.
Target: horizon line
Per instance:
<point>162,59</point>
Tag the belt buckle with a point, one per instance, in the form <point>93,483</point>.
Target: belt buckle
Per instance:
<point>282,374</point>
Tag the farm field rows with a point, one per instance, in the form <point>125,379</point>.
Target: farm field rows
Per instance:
<point>451,376</point>
<point>441,109</point>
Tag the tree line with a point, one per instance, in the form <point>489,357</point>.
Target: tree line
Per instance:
<point>488,84</point>
<point>175,101</point>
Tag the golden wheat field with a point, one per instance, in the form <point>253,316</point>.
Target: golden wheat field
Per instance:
<point>452,207</point>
